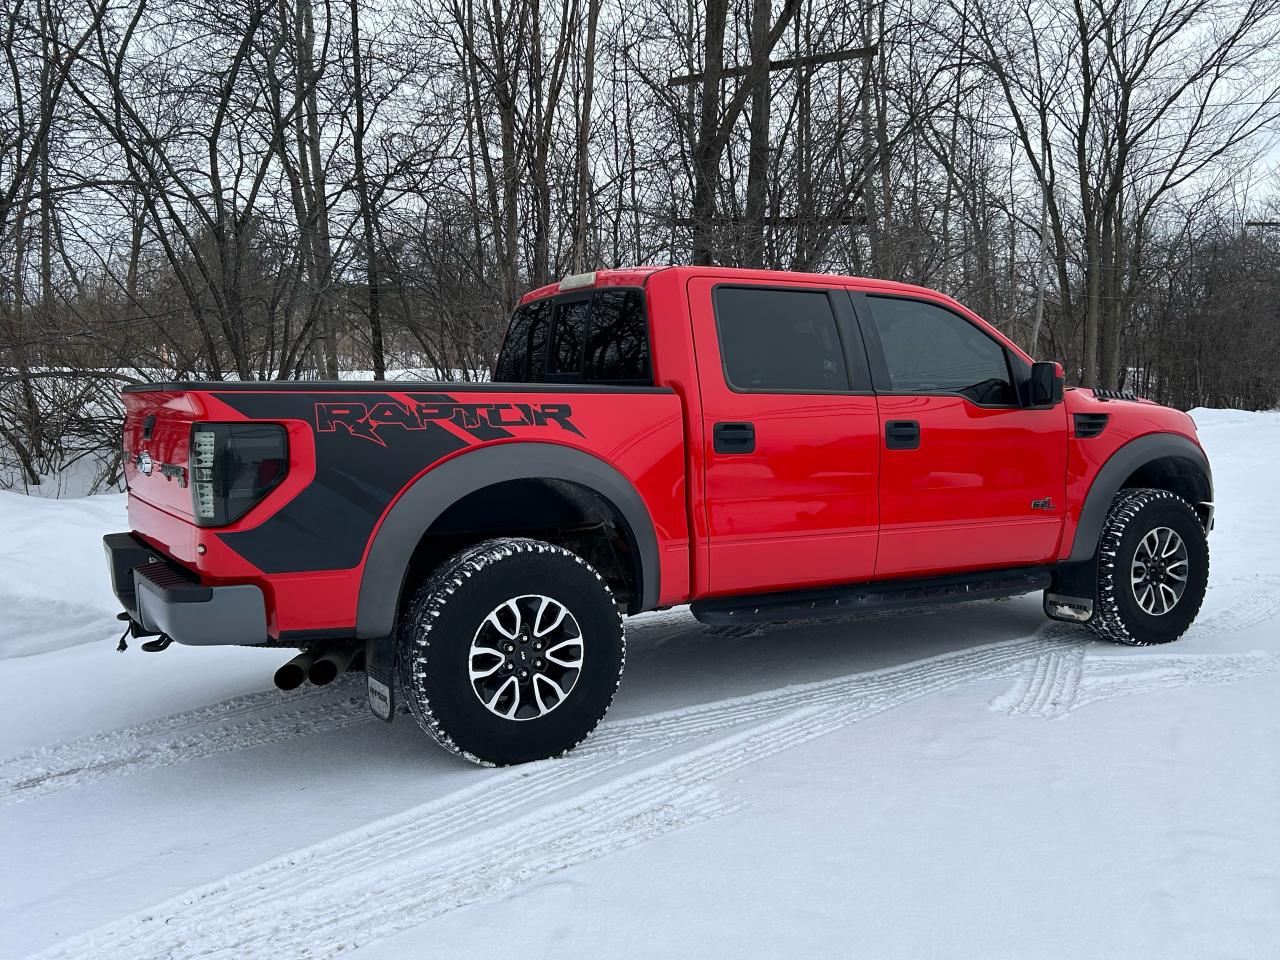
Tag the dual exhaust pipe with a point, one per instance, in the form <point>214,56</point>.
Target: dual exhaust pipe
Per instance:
<point>319,668</point>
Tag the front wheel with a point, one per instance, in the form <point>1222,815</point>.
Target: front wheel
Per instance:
<point>1153,568</point>
<point>511,652</point>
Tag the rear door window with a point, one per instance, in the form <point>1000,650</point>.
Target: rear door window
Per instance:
<point>780,341</point>
<point>618,350</point>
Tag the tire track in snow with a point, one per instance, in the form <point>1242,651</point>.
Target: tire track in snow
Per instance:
<point>400,871</point>
<point>251,720</point>
<point>1125,677</point>
<point>1049,687</point>
<point>239,723</point>
<point>1063,680</point>
<point>1260,604</point>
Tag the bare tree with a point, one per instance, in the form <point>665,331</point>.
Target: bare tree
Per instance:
<point>296,188</point>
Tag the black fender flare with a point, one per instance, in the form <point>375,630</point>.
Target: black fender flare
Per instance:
<point>1119,467</point>
<point>441,487</point>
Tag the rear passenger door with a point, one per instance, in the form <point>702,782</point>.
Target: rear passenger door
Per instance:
<point>968,478</point>
<point>790,439</point>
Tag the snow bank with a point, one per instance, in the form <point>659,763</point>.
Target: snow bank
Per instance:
<point>54,590</point>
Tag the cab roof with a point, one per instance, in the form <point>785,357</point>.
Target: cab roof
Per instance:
<point>636,277</point>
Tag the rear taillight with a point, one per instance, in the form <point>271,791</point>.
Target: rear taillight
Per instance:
<point>233,466</point>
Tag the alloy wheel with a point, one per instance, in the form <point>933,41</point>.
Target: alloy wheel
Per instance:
<point>526,657</point>
<point>1159,571</point>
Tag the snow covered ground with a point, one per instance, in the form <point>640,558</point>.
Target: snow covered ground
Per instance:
<point>977,782</point>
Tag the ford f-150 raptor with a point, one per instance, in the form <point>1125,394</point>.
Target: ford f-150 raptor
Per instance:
<point>764,446</point>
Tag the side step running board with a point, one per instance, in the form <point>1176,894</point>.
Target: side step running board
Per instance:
<point>871,598</point>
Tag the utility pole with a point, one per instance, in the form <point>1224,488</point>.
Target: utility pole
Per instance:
<point>713,131</point>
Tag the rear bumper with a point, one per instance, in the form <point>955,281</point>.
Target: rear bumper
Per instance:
<point>164,598</point>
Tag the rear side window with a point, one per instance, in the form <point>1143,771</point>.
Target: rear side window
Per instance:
<point>618,351</point>
<point>779,340</point>
<point>603,338</point>
<point>524,353</point>
<point>929,349</point>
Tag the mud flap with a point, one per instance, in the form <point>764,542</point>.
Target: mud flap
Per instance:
<point>1070,596</point>
<point>1070,609</point>
<point>380,672</point>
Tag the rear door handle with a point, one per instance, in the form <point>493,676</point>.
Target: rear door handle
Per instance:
<point>734,437</point>
<point>902,434</point>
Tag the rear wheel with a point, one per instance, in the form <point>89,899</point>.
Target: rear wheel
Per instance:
<point>511,652</point>
<point>1153,568</point>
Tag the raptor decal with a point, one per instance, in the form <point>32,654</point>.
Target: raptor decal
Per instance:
<point>367,419</point>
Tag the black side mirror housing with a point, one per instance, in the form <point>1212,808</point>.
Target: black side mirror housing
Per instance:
<point>1044,386</point>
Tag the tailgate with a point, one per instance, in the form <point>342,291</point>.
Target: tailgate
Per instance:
<point>157,438</point>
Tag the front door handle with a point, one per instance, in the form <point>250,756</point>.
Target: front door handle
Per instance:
<point>902,434</point>
<point>734,437</point>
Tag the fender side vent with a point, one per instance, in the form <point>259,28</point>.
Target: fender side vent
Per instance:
<point>1089,425</point>
<point>1114,395</point>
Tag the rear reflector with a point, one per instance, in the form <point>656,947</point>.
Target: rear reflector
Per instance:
<point>233,466</point>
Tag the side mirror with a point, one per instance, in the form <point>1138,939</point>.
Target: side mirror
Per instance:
<point>1045,385</point>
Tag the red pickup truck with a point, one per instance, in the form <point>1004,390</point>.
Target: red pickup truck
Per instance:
<point>765,446</point>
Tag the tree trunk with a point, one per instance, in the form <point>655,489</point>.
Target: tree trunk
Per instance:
<point>706,154</point>
<point>366,209</point>
<point>584,140</point>
<point>758,159</point>
<point>313,179</point>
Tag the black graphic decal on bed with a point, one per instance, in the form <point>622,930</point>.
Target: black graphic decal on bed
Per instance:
<point>366,419</point>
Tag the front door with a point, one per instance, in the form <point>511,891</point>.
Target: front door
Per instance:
<point>968,479</point>
<point>791,436</point>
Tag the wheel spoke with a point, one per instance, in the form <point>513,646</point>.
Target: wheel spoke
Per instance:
<point>570,662</point>
<point>482,652</point>
<point>1138,573</point>
<point>496,621</point>
<point>537,692</point>
<point>560,614</point>
<point>515,701</point>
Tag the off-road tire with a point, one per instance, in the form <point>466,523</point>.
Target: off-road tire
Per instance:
<point>1134,514</point>
<point>435,639</point>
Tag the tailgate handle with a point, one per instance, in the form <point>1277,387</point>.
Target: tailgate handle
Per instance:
<point>734,438</point>
<point>148,425</point>
<point>902,434</point>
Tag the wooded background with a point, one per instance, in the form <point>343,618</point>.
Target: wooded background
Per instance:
<point>298,188</point>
